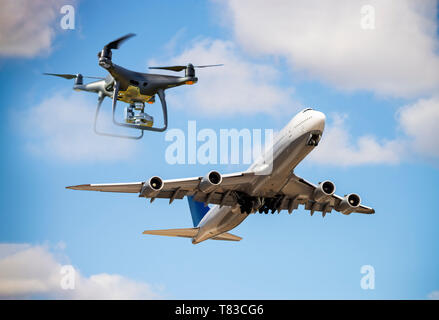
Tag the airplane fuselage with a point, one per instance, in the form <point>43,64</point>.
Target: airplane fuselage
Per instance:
<point>296,140</point>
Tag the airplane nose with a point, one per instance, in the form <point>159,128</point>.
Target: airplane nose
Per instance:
<point>319,120</point>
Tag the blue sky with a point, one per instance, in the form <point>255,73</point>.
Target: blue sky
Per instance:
<point>381,106</point>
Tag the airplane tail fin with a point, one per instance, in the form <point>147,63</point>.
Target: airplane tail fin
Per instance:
<point>198,210</point>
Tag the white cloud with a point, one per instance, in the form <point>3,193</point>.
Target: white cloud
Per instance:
<point>238,87</point>
<point>419,121</point>
<point>27,27</point>
<point>433,295</point>
<point>61,127</point>
<point>326,41</point>
<point>171,44</point>
<point>338,148</point>
<point>33,271</point>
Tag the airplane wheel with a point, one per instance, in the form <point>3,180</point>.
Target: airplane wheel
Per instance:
<point>246,209</point>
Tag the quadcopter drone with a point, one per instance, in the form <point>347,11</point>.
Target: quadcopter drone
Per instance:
<point>133,88</point>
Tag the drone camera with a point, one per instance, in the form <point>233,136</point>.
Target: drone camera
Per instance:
<point>139,106</point>
<point>142,118</point>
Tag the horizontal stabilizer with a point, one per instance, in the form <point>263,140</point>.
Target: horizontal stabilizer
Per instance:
<point>185,233</point>
<point>227,236</point>
<point>190,233</point>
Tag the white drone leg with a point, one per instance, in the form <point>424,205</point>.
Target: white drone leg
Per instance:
<point>100,99</point>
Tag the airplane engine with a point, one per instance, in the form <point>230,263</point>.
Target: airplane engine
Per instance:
<point>152,187</point>
<point>349,203</point>
<point>324,190</point>
<point>210,182</point>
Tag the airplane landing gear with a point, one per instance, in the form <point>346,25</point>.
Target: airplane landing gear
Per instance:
<point>250,204</point>
<point>314,139</point>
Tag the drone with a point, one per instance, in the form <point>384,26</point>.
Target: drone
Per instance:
<point>133,88</point>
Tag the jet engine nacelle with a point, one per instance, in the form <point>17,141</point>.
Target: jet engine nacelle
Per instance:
<point>349,203</point>
<point>152,187</point>
<point>324,190</point>
<point>210,182</point>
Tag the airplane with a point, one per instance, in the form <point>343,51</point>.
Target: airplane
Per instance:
<point>268,184</point>
<point>133,88</point>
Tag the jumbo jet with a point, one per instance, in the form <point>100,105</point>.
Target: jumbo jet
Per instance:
<point>269,184</point>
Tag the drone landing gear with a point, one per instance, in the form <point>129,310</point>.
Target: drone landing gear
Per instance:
<point>141,122</point>
<point>101,98</point>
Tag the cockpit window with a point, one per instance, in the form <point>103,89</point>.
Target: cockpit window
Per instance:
<point>307,109</point>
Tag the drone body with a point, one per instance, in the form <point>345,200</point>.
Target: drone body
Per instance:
<point>141,87</point>
<point>133,88</point>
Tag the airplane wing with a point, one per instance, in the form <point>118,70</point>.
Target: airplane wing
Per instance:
<point>299,191</point>
<point>294,192</point>
<point>179,188</point>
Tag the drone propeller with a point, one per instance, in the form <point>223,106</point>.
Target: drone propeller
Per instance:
<point>180,68</point>
<point>116,43</point>
<point>106,51</point>
<point>71,76</point>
